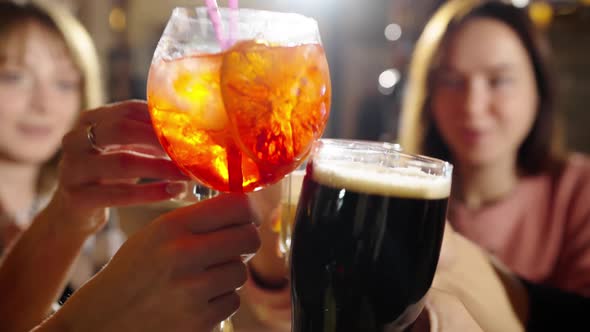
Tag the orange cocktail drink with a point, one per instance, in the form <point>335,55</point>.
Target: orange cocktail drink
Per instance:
<point>239,119</point>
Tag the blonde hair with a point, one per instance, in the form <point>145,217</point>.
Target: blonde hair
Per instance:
<point>81,49</point>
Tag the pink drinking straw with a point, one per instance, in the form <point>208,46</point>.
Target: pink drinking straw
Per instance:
<point>233,22</point>
<point>215,17</point>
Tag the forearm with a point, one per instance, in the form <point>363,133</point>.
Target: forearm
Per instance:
<point>264,309</point>
<point>268,267</point>
<point>35,271</point>
<point>266,295</point>
<point>495,298</point>
<point>80,313</point>
<point>52,324</point>
<point>90,309</point>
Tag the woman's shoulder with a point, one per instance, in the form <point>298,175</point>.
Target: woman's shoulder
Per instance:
<point>576,170</point>
<point>565,177</point>
<point>571,197</point>
<point>572,184</point>
<point>580,161</point>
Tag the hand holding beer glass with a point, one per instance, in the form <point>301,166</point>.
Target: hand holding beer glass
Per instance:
<point>367,237</point>
<point>237,97</point>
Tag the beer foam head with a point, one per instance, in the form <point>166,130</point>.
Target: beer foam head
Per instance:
<point>374,179</point>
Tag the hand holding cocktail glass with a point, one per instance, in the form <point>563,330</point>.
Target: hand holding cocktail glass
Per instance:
<point>240,114</point>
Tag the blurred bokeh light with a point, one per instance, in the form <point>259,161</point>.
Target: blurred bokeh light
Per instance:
<point>393,32</point>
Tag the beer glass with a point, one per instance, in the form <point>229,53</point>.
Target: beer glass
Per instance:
<point>367,236</point>
<point>290,191</point>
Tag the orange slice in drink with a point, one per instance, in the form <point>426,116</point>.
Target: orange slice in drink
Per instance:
<point>277,99</point>
<point>190,85</point>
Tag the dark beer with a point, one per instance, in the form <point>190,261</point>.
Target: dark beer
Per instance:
<point>365,246</point>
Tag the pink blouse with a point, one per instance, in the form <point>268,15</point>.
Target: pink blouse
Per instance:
<point>541,231</point>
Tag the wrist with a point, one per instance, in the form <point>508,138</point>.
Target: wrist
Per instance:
<point>54,323</point>
<point>77,314</point>
<point>474,276</point>
<point>267,268</point>
<point>466,268</point>
<point>68,218</point>
<point>273,283</point>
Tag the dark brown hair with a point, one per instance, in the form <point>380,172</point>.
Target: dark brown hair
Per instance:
<point>542,149</point>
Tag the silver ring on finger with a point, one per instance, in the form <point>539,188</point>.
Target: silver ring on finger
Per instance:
<point>91,137</point>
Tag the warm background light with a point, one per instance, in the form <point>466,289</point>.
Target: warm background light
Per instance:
<point>520,3</point>
<point>388,80</point>
<point>541,13</point>
<point>118,19</point>
<point>393,32</point>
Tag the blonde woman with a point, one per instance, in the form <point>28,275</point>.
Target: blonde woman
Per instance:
<point>38,108</point>
<point>177,273</point>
